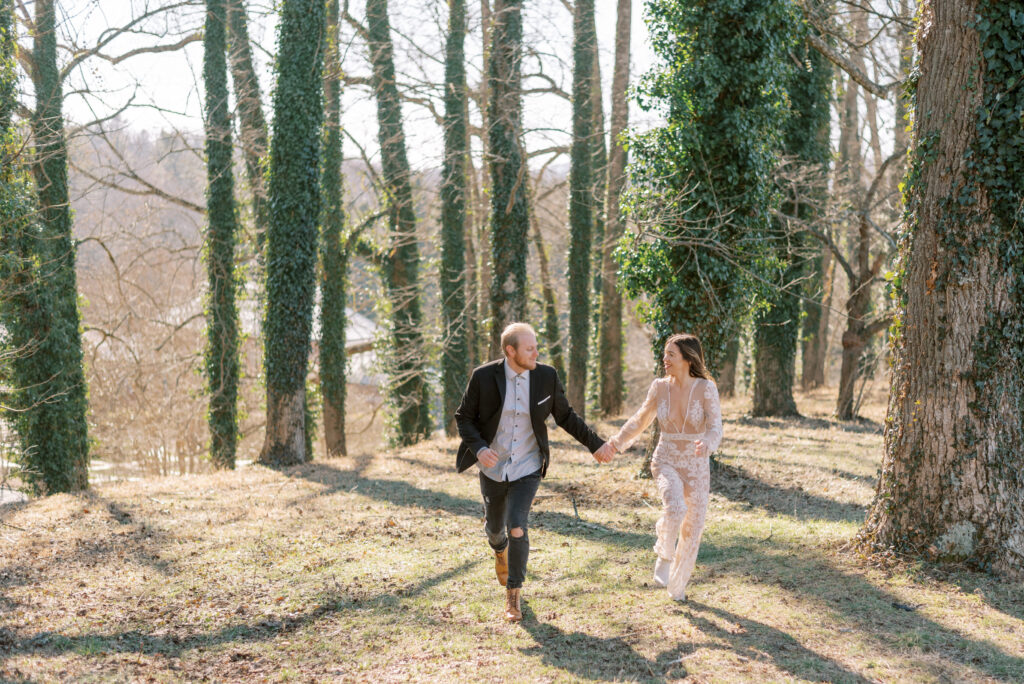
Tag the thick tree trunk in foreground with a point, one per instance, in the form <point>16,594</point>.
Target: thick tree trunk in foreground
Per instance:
<point>951,484</point>
<point>610,333</point>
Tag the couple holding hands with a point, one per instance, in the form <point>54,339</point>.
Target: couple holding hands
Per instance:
<point>501,421</point>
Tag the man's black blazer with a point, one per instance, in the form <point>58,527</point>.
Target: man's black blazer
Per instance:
<point>480,411</point>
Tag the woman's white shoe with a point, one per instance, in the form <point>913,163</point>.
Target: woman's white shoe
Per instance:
<point>661,568</point>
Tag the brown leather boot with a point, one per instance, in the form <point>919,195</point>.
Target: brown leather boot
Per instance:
<point>501,566</point>
<point>512,611</point>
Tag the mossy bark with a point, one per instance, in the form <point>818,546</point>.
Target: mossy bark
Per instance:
<point>221,362</point>
<point>951,485</point>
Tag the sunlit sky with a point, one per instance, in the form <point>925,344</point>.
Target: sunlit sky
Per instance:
<point>164,91</point>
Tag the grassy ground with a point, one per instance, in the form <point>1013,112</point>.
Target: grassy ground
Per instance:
<point>374,568</point>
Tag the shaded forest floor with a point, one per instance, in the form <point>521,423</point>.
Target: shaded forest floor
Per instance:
<point>374,568</point>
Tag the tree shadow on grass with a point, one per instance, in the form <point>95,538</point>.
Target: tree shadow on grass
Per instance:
<point>755,640</point>
<point>738,485</point>
<point>174,644</point>
<point>1006,596</point>
<point>402,493</point>
<point>585,656</point>
<point>582,655</point>
<point>858,425</point>
<point>878,615</point>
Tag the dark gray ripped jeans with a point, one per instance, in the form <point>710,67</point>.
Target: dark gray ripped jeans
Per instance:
<point>507,506</point>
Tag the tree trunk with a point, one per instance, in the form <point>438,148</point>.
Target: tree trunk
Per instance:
<point>727,374</point>
<point>473,297</point>
<point>815,337</point>
<point>610,335</point>
<point>552,335</point>
<point>294,198</point>
<point>333,249</point>
<point>599,180</point>
<point>774,357</point>
<point>951,486</point>
<point>252,124</point>
<point>59,459</point>
<point>581,210</point>
<point>851,165</point>
<point>510,219</point>
<point>407,384</point>
<point>454,362</point>
<point>221,362</point>
<point>806,140</point>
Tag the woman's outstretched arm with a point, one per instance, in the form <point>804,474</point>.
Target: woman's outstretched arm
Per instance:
<point>633,427</point>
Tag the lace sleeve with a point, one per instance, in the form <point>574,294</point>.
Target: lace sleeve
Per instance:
<point>712,417</point>
<point>633,427</point>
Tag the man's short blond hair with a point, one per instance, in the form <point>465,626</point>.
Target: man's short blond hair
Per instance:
<point>510,335</point>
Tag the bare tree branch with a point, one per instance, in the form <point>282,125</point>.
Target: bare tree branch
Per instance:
<point>881,91</point>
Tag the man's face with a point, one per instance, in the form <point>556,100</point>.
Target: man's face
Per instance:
<point>525,353</point>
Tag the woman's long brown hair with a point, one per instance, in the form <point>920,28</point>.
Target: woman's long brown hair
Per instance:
<point>689,347</point>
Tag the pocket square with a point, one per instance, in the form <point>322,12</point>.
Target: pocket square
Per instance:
<point>543,400</point>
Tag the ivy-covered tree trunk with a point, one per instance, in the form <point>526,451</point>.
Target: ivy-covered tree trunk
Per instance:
<point>805,139</point>
<point>727,375</point>
<point>951,485</point>
<point>703,191</point>
<point>455,351</point>
<point>407,382</point>
<point>599,182</point>
<point>551,333</point>
<point>56,457</point>
<point>610,347</point>
<point>333,253</point>
<point>581,204</point>
<point>510,217</point>
<point>252,124</point>
<point>221,362</point>
<point>26,310</point>
<point>294,197</point>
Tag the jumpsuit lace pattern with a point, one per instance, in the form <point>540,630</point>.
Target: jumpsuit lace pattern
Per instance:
<point>683,478</point>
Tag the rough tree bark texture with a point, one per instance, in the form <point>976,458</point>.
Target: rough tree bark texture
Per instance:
<point>951,482</point>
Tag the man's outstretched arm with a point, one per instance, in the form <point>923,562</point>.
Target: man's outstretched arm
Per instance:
<point>571,422</point>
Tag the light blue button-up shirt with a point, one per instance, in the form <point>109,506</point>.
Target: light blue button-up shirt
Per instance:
<point>515,443</point>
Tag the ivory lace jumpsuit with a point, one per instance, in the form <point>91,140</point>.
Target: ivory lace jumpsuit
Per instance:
<point>683,478</point>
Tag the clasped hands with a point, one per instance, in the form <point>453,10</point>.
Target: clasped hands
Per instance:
<point>605,452</point>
